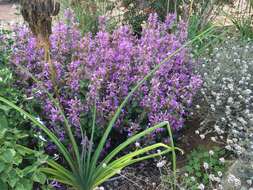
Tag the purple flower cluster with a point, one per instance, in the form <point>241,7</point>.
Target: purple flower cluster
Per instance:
<point>66,57</point>
<point>102,69</point>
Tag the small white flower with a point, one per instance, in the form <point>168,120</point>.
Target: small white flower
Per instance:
<point>205,165</point>
<point>213,139</point>
<point>231,86</point>
<point>161,164</point>
<point>217,128</point>
<point>247,92</point>
<point>249,182</point>
<point>211,152</point>
<point>231,178</point>
<point>222,160</point>
<point>39,120</point>
<point>228,147</point>
<point>193,178</point>
<point>201,186</point>
<point>104,165</point>
<point>42,138</point>
<point>56,156</point>
<point>30,98</point>
<point>202,136</point>
<point>237,182</point>
<point>217,179</point>
<point>197,106</point>
<point>220,187</point>
<point>219,173</point>
<point>197,132</point>
<point>137,144</point>
<point>101,188</point>
<point>211,177</point>
<point>229,141</point>
<point>186,174</point>
<point>131,5</point>
<point>230,100</point>
<point>242,120</point>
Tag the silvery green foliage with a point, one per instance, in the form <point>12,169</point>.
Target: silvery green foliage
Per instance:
<point>226,96</point>
<point>225,104</point>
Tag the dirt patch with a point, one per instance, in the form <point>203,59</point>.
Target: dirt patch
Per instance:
<point>188,141</point>
<point>7,12</point>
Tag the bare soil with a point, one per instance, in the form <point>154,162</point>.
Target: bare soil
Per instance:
<point>8,12</point>
<point>189,140</point>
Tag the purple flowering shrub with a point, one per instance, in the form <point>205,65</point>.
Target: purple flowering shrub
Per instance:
<point>66,54</point>
<point>104,68</point>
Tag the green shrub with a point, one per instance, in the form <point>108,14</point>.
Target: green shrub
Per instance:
<point>18,165</point>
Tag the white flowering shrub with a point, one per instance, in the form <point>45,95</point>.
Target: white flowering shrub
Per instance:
<point>225,102</point>
<point>226,96</point>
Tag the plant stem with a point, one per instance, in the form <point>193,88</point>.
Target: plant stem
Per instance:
<point>174,158</point>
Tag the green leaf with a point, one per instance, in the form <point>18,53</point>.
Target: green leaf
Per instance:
<point>39,177</point>
<point>18,159</point>
<point>206,178</point>
<point>189,169</point>
<point>21,150</point>
<point>8,155</point>
<point>3,121</point>
<point>198,174</point>
<point>13,178</point>
<point>5,108</point>
<point>2,132</point>
<point>3,186</point>
<point>24,184</point>
<point>30,169</point>
<point>196,166</point>
<point>2,166</point>
<point>206,154</point>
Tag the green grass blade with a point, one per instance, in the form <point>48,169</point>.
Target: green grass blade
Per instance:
<point>55,175</point>
<point>126,143</point>
<point>174,158</point>
<point>50,162</point>
<point>113,169</point>
<point>60,169</point>
<point>132,140</point>
<point>88,169</point>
